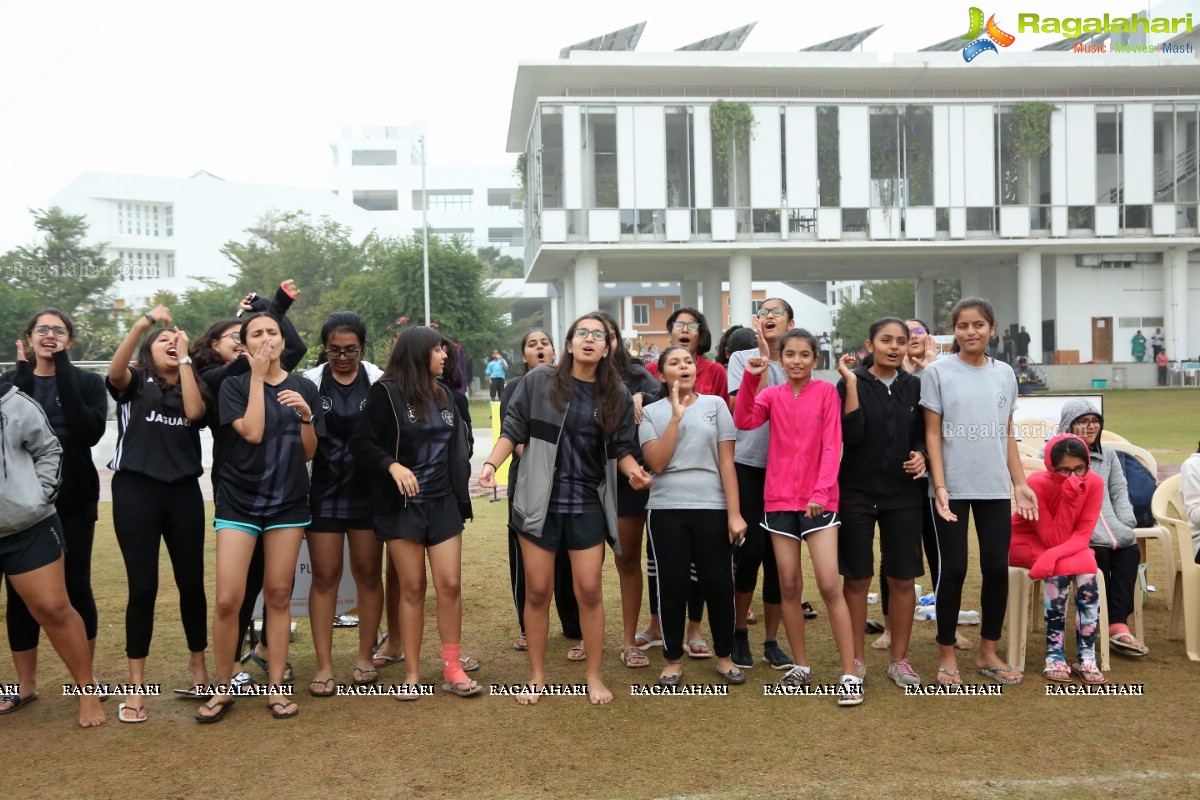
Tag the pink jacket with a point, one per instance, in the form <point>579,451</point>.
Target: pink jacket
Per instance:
<point>1068,509</point>
<point>806,441</point>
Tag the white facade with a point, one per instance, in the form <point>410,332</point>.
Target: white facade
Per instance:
<point>167,232</point>
<point>379,169</point>
<point>868,167</point>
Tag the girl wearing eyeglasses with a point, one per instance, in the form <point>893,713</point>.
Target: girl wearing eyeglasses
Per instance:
<point>1114,542</point>
<point>576,423</point>
<point>1054,548</point>
<point>76,406</point>
<point>219,355</point>
<point>340,504</point>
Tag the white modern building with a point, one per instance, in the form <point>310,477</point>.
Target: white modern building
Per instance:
<point>866,166</point>
<point>378,168</point>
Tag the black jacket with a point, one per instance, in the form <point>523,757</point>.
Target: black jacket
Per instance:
<point>84,403</point>
<point>379,442</point>
<point>877,438</point>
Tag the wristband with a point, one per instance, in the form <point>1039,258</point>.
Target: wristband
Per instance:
<point>493,466</point>
<point>149,318</point>
<point>940,487</point>
<point>308,421</point>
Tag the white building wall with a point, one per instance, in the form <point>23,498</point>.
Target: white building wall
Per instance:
<point>1084,293</point>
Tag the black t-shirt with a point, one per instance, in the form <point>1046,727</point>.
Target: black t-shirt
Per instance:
<point>154,437</point>
<point>581,456</point>
<point>45,391</point>
<point>267,478</point>
<point>431,439</point>
<point>334,493</point>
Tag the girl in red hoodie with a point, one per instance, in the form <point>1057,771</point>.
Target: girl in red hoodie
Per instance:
<point>1055,549</point>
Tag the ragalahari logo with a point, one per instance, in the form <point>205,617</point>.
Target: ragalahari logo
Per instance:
<point>994,36</point>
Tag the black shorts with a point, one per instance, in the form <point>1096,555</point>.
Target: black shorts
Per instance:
<point>630,502</point>
<point>428,523</point>
<point>225,516</point>
<point>33,548</point>
<point>797,524</point>
<point>899,541</point>
<point>333,525</point>
<point>571,531</point>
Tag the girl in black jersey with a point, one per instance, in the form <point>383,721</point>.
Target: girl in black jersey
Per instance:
<point>340,504</point>
<point>76,406</point>
<point>156,488</point>
<point>262,491</point>
<point>411,446</point>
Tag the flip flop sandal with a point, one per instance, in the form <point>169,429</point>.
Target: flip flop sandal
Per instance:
<point>1058,671</point>
<point>468,664</point>
<point>221,706</point>
<point>277,713</point>
<point>521,644</point>
<point>408,692</point>
<point>809,611</point>
<point>577,649</point>
<point>289,674</point>
<point>874,626</point>
<point>698,648</point>
<point>361,676</point>
<point>469,691</point>
<point>379,660</point>
<point>734,676</point>
<point>994,674</point>
<point>327,689</point>
<point>670,680</point>
<point>1127,644</point>
<point>644,642</point>
<point>139,714</point>
<point>750,618</point>
<point>950,673</point>
<point>17,701</point>
<point>1089,673</point>
<point>633,657</point>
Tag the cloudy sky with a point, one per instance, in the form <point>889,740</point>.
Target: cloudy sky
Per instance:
<point>254,90</point>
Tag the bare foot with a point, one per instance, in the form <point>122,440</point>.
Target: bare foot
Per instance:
<point>884,641</point>
<point>962,643</point>
<point>531,697</point>
<point>598,693</point>
<point>90,713</point>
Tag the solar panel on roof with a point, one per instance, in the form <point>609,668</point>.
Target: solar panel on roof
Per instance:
<point>729,40</point>
<point>842,44</point>
<point>624,39</point>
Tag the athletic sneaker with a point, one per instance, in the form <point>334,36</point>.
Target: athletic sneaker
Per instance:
<point>860,669</point>
<point>800,677</point>
<point>903,674</point>
<point>240,680</point>
<point>742,657</point>
<point>850,691</point>
<point>774,655</point>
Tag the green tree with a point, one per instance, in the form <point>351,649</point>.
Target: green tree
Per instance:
<point>58,270</point>
<point>204,305</point>
<point>896,298</point>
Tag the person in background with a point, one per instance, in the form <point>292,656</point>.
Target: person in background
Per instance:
<point>1163,362</point>
<point>497,371</point>
<point>838,346</point>
<point>1138,347</point>
<point>31,545</point>
<point>1157,341</point>
<point>826,345</point>
<point>1054,548</point>
<point>1113,539</point>
<point>723,349</point>
<point>994,345</point>
<point>1027,377</point>
<point>1189,490</point>
<point>76,406</point>
<point>1007,344</point>
<point>1023,340</point>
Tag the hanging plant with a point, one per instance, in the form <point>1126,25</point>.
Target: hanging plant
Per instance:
<point>1033,128</point>
<point>828,172</point>
<point>521,176</point>
<point>732,129</point>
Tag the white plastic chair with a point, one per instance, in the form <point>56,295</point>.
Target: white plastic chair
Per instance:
<point>1023,593</point>
<point>1187,605</point>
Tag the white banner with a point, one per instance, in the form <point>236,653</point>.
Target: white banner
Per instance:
<point>347,599</point>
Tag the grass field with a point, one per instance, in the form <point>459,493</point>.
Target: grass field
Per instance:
<point>1022,744</point>
<point>1164,421</point>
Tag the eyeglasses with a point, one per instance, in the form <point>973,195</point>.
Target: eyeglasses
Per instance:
<point>232,336</point>
<point>349,352</point>
<point>45,330</point>
<point>918,331</point>
<point>597,335</point>
<point>775,311</point>
<point>686,326</point>
<point>1067,472</point>
<point>1089,422</point>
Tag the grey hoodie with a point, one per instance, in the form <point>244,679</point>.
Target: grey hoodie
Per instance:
<point>1115,528</point>
<point>30,462</point>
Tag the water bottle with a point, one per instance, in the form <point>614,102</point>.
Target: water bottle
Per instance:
<point>968,617</point>
<point>917,589</point>
<point>924,613</point>
<point>925,600</point>
<point>872,598</point>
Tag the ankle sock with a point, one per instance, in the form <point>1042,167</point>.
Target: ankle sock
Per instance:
<point>770,642</point>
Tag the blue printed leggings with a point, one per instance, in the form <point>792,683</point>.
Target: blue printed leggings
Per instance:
<point>1087,616</point>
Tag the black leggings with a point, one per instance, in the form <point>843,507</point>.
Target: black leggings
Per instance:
<point>79,529</point>
<point>695,603</point>
<point>993,527</point>
<point>929,540</point>
<point>145,513</point>
<point>1120,570</point>
<point>682,538</point>
<point>756,549</point>
<point>564,587</point>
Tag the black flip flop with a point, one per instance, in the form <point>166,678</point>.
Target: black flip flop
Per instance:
<point>17,701</point>
<point>223,705</point>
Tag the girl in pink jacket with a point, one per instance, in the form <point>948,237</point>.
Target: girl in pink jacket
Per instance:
<point>801,496</point>
<point>1055,548</point>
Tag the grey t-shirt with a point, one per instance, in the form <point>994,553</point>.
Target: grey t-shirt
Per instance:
<point>751,447</point>
<point>975,404</point>
<point>693,477</point>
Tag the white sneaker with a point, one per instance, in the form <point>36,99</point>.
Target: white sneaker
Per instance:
<point>850,691</point>
<point>903,674</point>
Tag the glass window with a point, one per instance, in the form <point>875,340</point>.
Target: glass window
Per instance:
<point>377,199</point>
<point>829,178</point>
<point>885,156</point>
<point>600,140</point>
<point>551,160</point>
<point>917,134</point>
<point>679,158</point>
<point>1108,154</point>
<point>373,158</point>
<point>641,314</point>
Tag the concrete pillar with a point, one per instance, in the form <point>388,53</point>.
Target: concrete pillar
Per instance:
<point>1175,293</point>
<point>924,301</point>
<point>740,294</point>
<point>971,283</point>
<point>627,313</point>
<point>711,307</point>
<point>568,286</point>
<point>1029,299</point>
<point>587,284</point>
<point>555,319</point>
<point>689,294</point>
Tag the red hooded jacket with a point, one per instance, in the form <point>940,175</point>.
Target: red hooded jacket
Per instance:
<point>1068,509</point>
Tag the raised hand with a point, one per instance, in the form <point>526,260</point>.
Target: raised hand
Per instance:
<point>678,409</point>
<point>160,314</point>
<point>289,286</point>
<point>21,351</point>
<point>260,362</point>
<point>928,355</point>
<point>181,342</point>
<point>757,365</point>
<point>845,367</point>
